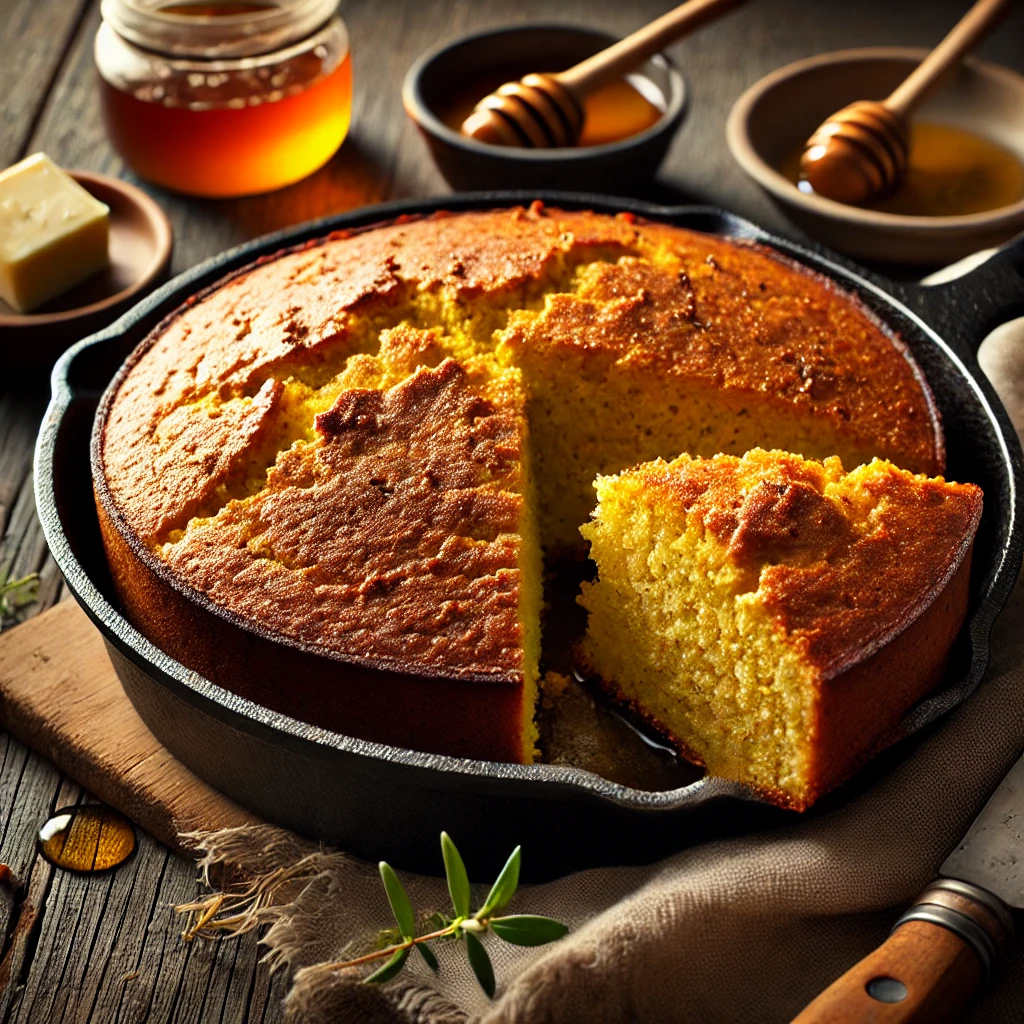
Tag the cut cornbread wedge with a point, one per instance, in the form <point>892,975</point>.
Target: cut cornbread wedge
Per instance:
<point>53,234</point>
<point>774,616</point>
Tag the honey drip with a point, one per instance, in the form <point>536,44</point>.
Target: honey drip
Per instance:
<point>87,839</point>
<point>951,172</point>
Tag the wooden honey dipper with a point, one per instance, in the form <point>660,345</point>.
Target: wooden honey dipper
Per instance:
<point>544,110</point>
<point>860,153</point>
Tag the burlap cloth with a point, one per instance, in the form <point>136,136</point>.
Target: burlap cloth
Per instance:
<point>748,929</point>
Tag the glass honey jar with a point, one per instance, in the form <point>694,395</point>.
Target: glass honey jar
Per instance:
<point>224,98</point>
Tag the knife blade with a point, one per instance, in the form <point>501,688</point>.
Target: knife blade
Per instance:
<point>991,855</point>
<point>947,943</point>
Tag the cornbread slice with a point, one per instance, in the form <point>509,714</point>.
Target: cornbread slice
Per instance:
<point>776,616</point>
<point>399,533</point>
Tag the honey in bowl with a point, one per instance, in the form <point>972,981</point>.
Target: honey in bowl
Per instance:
<point>951,172</point>
<point>624,107</point>
<point>189,107</point>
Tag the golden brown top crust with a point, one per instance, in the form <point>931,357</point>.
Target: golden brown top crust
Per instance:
<point>732,314</point>
<point>391,538</point>
<point>842,561</point>
<point>215,398</point>
<point>742,319</point>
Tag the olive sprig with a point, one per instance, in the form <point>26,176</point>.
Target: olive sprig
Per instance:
<point>463,926</point>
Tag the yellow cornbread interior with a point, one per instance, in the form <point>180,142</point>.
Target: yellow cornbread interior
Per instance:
<point>682,632</point>
<point>594,412</point>
<point>586,416</point>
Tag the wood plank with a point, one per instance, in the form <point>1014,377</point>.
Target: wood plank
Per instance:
<point>110,948</point>
<point>24,940</point>
<point>34,35</point>
<point>60,694</point>
<point>22,546</point>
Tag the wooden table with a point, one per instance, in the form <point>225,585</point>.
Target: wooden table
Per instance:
<point>108,948</point>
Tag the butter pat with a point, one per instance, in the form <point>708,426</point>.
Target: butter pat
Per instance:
<point>53,234</point>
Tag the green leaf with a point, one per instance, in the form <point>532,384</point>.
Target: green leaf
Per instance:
<point>400,905</point>
<point>504,888</point>
<point>481,963</point>
<point>458,880</point>
<point>527,929</point>
<point>428,954</point>
<point>389,970</point>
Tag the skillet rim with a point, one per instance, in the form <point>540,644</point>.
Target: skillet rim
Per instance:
<point>210,698</point>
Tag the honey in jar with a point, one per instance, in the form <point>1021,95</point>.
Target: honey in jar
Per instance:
<point>951,172</point>
<point>617,110</point>
<point>224,99</point>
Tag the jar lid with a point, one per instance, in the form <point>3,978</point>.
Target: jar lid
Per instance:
<point>218,29</point>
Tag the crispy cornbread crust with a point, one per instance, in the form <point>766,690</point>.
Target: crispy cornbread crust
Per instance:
<point>224,569</point>
<point>870,603</point>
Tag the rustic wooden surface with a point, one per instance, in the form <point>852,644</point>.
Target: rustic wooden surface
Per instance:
<point>59,695</point>
<point>108,948</point>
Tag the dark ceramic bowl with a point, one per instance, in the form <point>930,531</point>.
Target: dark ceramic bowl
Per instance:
<point>438,78</point>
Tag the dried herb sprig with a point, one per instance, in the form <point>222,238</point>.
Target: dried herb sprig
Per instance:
<point>16,594</point>
<point>463,926</point>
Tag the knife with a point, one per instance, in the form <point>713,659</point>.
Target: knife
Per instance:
<point>947,943</point>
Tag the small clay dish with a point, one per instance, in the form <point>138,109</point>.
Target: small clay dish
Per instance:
<point>776,115</point>
<point>441,80</point>
<point>140,253</point>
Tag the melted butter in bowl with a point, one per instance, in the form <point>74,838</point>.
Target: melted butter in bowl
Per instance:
<point>951,172</point>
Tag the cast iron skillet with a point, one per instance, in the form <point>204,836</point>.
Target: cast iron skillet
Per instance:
<point>378,801</point>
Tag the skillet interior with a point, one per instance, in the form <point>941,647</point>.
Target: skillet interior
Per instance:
<point>379,801</point>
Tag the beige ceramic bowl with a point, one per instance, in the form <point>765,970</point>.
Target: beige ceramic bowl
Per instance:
<point>774,116</point>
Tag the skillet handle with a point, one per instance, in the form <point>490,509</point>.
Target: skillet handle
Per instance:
<point>965,310</point>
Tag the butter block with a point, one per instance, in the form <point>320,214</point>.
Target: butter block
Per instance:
<point>53,234</point>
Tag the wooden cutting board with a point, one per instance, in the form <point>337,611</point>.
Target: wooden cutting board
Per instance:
<point>60,696</point>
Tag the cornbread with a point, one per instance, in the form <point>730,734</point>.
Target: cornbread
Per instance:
<point>327,482</point>
<point>776,617</point>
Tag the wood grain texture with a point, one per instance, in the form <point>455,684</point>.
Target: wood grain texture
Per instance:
<point>938,969</point>
<point>34,36</point>
<point>59,695</point>
<point>126,957</point>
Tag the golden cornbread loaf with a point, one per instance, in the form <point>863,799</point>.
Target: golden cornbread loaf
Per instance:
<point>776,617</point>
<point>326,482</point>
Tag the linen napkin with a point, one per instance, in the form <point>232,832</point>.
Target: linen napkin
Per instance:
<point>748,929</point>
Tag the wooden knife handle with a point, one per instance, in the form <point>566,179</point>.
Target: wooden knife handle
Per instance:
<point>923,973</point>
<point>937,955</point>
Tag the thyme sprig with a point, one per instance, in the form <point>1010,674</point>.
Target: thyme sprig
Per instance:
<point>16,594</point>
<point>463,926</point>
